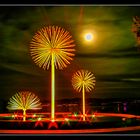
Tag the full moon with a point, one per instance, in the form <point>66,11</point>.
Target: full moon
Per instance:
<point>88,36</point>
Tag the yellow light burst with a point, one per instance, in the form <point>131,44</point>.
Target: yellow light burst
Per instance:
<point>52,46</point>
<point>52,40</point>
<point>83,78</point>
<point>23,101</point>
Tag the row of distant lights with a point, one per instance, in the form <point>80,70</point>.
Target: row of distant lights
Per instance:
<point>75,115</point>
<point>66,119</point>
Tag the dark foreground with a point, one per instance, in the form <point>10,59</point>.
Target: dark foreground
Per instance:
<point>101,123</point>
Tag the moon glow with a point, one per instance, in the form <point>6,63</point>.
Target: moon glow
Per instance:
<point>88,37</point>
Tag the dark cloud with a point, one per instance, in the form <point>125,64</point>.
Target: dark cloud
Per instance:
<point>110,55</point>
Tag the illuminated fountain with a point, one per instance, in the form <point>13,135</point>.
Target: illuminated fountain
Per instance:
<point>83,80</point>
<point>24,100</point>
<point>52,46</point>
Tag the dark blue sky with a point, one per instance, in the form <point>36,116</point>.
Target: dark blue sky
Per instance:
<point>113,56</point>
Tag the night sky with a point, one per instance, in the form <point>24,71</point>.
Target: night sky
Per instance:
<point>112,56</point>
